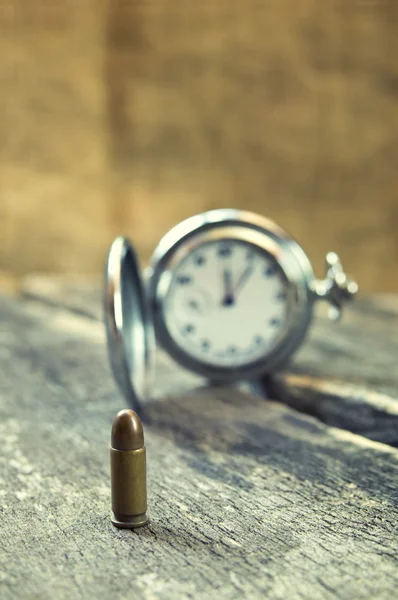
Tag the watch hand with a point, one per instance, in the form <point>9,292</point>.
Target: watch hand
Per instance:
<point>243,279</point>
<point>228,298</point>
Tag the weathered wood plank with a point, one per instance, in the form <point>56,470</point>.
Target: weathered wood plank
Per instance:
<point>344,373</point>
<point>355,407</point>
<point>358,349</point>
<point>246,498</point>
<point>80,295</point>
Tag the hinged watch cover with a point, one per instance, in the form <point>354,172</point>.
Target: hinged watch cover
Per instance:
<point>130,336</point>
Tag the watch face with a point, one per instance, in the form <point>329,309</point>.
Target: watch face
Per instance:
<point>226,303</point>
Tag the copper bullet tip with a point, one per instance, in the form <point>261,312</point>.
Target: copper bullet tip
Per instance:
<point>127,431</point>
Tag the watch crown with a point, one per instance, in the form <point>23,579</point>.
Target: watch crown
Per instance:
<point>337,288</point>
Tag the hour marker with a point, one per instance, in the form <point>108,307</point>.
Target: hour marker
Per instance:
<point>275,322</point>
<point>193,304</point>
<point>184,279</point>
<point>232,350</point>
<point>269,271</point>
<point>205,344</point>
<point>200,260</point>
<point>224,251</point>
<point>189,328</point>
<point>281,296</point>
<point>259,340</point>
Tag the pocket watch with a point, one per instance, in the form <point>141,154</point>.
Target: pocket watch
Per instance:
<point>228,295</point>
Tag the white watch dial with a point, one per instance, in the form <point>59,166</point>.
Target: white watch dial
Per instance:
<point>226,304</point>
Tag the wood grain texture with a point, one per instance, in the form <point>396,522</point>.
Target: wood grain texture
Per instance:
<point>343,374</point>
<point>125,117</point>
<point>246,498</point>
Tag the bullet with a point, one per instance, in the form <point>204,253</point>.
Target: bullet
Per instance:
<point>128,471</point>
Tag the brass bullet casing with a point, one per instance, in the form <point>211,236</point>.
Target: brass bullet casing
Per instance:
<point>128,471</point>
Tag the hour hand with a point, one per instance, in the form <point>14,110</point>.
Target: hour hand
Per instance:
<point>228,297</point>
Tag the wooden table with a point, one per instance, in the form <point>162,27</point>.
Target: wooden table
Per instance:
<point>290,498</point>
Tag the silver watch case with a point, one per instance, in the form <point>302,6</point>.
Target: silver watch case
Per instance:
<point>134,308</point>
<point>252,229</point>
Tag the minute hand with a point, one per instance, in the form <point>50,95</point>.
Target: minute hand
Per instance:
<point>243,279</point>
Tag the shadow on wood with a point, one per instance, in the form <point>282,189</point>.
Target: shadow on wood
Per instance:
<point>239,427</point>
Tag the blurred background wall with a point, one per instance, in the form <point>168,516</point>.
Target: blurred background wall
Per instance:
<point>124,117</point>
